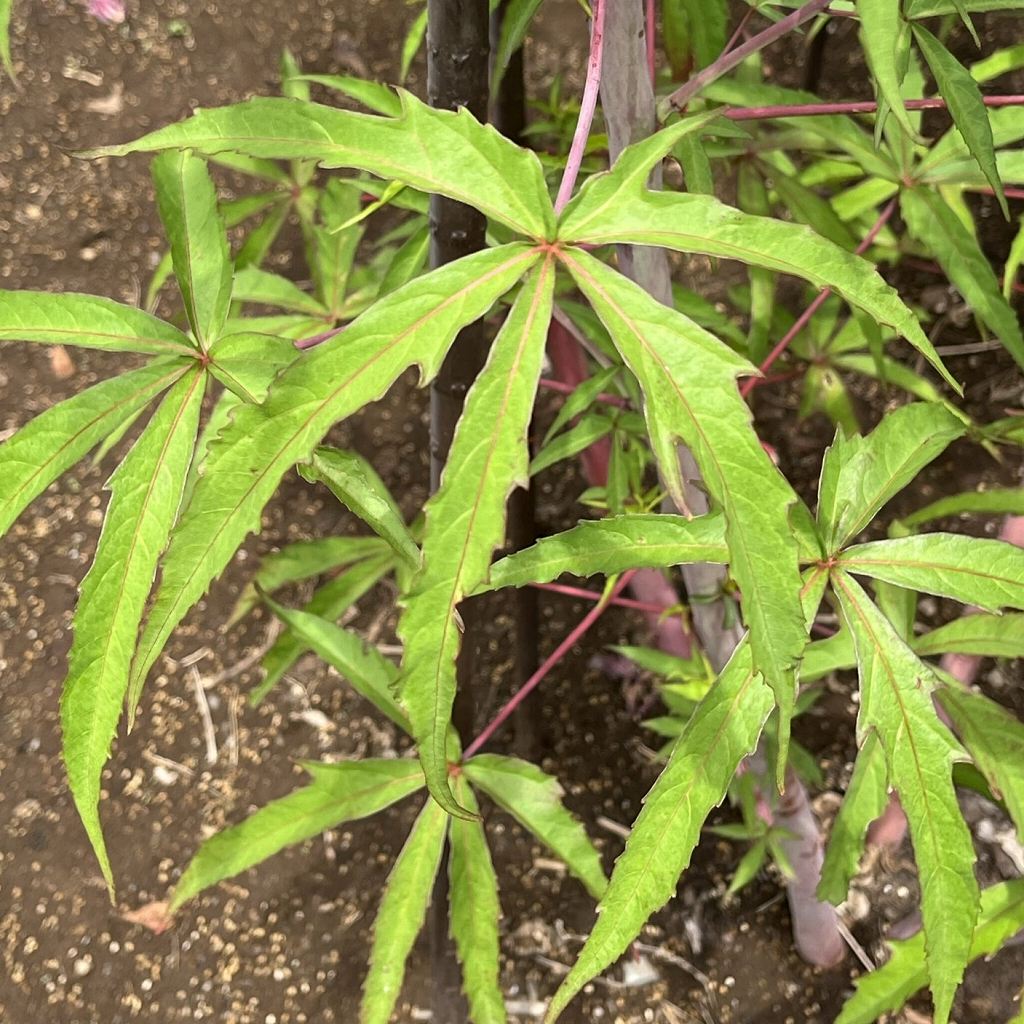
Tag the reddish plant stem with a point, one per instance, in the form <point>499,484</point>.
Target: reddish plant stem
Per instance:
<point>724,64</point>
<point>549,663</point>
<point>805,318</point>
<point>318,339</point>
<point>853,107</point>
<point>594,595</point>
<point>1010,193</point>
<point>587,107</point>
<point>567,389</point>
<point>740,28</point>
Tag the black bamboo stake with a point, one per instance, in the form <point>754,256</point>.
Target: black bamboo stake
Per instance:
<point>508,114</point>
<point>457,59</point>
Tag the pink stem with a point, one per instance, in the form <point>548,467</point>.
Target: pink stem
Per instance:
<point>318,339</point>
<point>855,107</point>
<point>732,58</point>
<point>747,15</point>
<point>568,389</point>
<point>804,319</point>
<point>549,663</point>
<point>649,607</point>
<point>934,268</point>
<point>587,107</point>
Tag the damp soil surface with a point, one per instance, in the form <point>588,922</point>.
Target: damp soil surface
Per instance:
<point>287,942</point>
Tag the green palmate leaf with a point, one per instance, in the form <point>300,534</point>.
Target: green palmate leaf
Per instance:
<point>613,545</point>
<point>859,475</point>
<point>33,457</point>
<point>988,573</point>
<point>343,791</point>
<point>146,491</point>
<point>881,25</point>
<point>435,151</point>
<point>515,22</point>
<point>403,909</point>
<point>865,799</point>
<point>701,224</point>
<point>895,688</point>
<point>367,670</point>
<point>600,193</point>
<point>689,382</point>
<point>328,383</point>
<point>355,483</point>
<point>932,221</point>
<point>255,285</point>
<point>87,320</point>
<point>474,913</point>
<point>247,363</point>
<point>408,261</point>
<point>961,93</point>
<point>1002,501</point>
<point>724,728</point>
<point>994,636</point>
<point>995,739</point>
<point>301,560</point>
<point>808,207</point>
<point>187,202</point>
<point>330,602</point>
<point>534,799</point>
<point>465,520</point>
<point>412,42</point>
<point>886,990</point>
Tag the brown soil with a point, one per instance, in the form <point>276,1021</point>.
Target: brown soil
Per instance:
<point>287,942</point>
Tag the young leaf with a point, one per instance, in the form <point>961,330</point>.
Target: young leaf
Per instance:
<point>355,483</point>
<point>5,37</point>
<point>341,791</point>
<point>880,28</point>
<point>412,42</point>
<point>582,398</point>
<point>247,363</point>
<point>330,602</point>
<point>1014,258</point>
<point>301,560</point>
<point>403,909</point>
<point>534,799</point>
<point>88,320</point>
<point>515,22</point>
<point>701,224</point>
<point>187,202</point>
<point>612,545</point>
<point>974,570</point>
<point>434,151</point>
<point>465,520</point>
<point>860,475</point>
<point>724,728</point>
<point>931,221</point>
<point>995,739</point>
<point>689,382</point>
<point>375,96</point>
<point>1001,501</point>
<point>255,285</point>
<point>146,490</point>
<point>33,457</point>
<point>823,657</point>
<point>993,636</point>
<point>961,93</point>
<point>591,428</point>
<point>885,990</point>
<point>865,799</point>
<point>475,912</point>
<point>328,383</point>
<point>367,670</point>
<point>895,687</point>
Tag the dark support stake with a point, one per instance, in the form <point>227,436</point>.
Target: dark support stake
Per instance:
<point>508,114</point>
<point>457,54</point>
